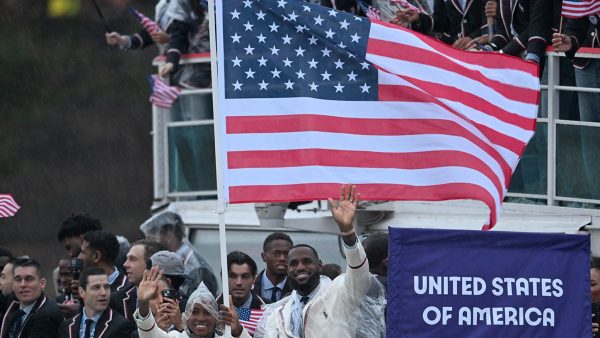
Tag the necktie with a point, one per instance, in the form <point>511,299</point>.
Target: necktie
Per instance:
<point>17,322</point>
<point>304,300</point>
<point>274,294</point>
<point>88,328</point>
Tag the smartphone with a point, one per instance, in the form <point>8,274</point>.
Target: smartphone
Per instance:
<point>170,293</point>
<point>75,267</point>
<point>486,48</point>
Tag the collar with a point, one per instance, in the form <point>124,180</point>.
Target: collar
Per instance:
<point>28,308</point>
<point>183,249</point>
<point>95,318</point>
<point>248,303</point>
<point>296,296</point>
<point>268,285</point>
<point>113,276</point>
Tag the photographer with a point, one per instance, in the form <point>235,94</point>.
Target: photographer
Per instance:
<point>67,299</point>
<point>170,302</point>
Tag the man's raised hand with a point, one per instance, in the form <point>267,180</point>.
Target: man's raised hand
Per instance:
<point>344,209</point>
<point>148,288</point>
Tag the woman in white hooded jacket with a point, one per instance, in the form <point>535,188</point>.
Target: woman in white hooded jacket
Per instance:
<point>200,317</point>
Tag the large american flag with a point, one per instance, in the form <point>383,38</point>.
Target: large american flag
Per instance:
<point>249,318</point>
<point>311,97</point>
<point>580,8</point>
<point>8,205</point>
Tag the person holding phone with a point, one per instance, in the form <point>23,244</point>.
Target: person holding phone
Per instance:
<point>202,317</point>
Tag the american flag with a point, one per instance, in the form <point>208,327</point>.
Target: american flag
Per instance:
<point>578,9</point>
<point>370,11</point>
<point>249,318</point>
<point>407,5</point>
<point>149,25</point>
<point>8,206</point>
<point>312,98</point>
<point>163,95</point>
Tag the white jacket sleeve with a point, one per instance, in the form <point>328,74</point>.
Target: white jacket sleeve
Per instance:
<point>147,327</point>
<point>356,279</point>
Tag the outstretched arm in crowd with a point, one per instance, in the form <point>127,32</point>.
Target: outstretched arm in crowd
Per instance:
<point>148,290</point>
<point>357,272</point>
<point>343,212</point>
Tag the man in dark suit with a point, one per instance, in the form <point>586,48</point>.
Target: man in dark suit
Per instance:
<point>6,285</point>
<point>124,301</point>
<point>271,283</point>
<point>31,314</point>
<point>457,22</point>
<point>100,249</point>
<point>96,320</point>
<point>525,27</point>
<point>241,271</point>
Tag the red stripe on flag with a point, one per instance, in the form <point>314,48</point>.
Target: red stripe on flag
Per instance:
<point>392,192</point>
<point>391,92</point>
<point>359,159</point>
<point>162,94</point>
<point>498,61</point>
<point>409,53</point>
<point>386,127</point>
<point>388,92</point>
<point>8,205</point>
<point>576,9</point>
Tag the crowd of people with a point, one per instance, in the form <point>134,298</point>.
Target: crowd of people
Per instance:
<point>164,288</point>
<point>523,28</point>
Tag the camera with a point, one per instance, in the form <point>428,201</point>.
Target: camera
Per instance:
<point>170,293</point>
<point>75,267</point>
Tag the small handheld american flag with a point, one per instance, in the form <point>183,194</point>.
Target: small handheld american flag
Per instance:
<point>580,8</point>
<point>149,25</point>
<point>407,5</point>
<point>370,11</point>
<point>163,95</point>
<point>8,206</point>
<point>249,318</point>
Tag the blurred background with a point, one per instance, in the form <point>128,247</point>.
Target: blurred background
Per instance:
<point>75,121</point>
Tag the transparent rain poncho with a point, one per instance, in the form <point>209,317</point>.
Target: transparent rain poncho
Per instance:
<point>158,222</point>
<point>343,316</point>
<point>203,297</point>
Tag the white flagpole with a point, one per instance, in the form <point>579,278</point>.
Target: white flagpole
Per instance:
<point>218,156</point>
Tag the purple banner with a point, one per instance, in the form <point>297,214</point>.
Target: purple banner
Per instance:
<point>456,283</point>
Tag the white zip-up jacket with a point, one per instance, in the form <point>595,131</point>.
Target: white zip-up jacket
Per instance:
<point>332,311</point>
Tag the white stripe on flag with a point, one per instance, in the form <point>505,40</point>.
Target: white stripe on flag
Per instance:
<point>8,206</point>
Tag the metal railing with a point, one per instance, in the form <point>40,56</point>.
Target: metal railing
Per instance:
<point>167,163</point>
<point>552,125</point>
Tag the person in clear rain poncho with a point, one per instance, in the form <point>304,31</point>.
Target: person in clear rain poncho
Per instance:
<point>350,306</point>
<point>202,317</point>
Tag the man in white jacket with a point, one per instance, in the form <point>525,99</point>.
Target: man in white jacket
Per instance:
<point>319,307</point>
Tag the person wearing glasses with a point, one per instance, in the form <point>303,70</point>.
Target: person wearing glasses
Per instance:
<point>31,314</point>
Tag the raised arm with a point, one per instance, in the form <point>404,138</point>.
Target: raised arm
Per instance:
<point>356,279</point>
